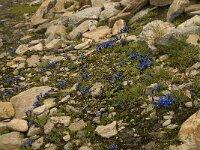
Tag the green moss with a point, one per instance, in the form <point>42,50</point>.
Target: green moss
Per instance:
<point>22,9</point>
<point>181,54</point>
<point>180,19</point>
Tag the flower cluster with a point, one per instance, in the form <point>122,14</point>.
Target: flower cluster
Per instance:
<point>125,29</point>
<point>164,101</point>
<point>61,85</point>
<point>12,52</point>
<point>29,143</point>
<point>51,65</point>
<point>144,63</point>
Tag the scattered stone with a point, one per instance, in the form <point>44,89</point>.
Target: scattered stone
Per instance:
<point>11,141</point>
<point>189,104</point>
<point>107,131</point>
<point>18,125</point>
<point>98,33</point>
<point>33,61</point>
<point>194,21</point>
<point>6,110</point>
<point>192,8</point>
<point>38,143</point>
<point>118,27</point>
<point>166,123</point>
<point>124,16</point>
<point>22,49</point>
<point>77,126</point>
<point>160,2</point>
<point>69,146</point>
<point>84,45</point>
<point>65,120</point>
<point>67,137</point>
<point>97,89</point>
<point>33,131</point>
<point>54,44</point>
<point>193,39</point>
<point>38,47</point>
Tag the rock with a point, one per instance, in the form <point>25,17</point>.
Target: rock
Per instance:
<point>189,132</point>
<point>38,17</point>
<point>118,27</point>
<point>38,143</point>
<point>33,131</point>
<point>54,44</point>
<point>124,16</point>
<point>194,21</point>
<point>38,47</point>
<point>60,5</point>
<point>80,16</point>
<point>48,127</point>
<point>98,3</point>
<point>65,120</point>
<point>11,141</point>
<point>140,14</point>
<point>110,9</point>
<point>77,126</point>
<point>97,89</point>
<point>176,8</point>
<point>84,45</point>
<point>6,110</point>
<point>18,125</point>
<point>85,148</point>
<point>56,29</point>
<point>194,13</point>
<point>189,104</point>
<point>22,49</point>
<point>66,138</point>
<point>192,8</point>
<point>177,34</point>
<point>25,100</point>
<point>3,128</point>
<point>98,33</point>
<point>155,30</point>
<point>135,6</point>
<point>107,131</point>
<point>166,123</point>
<point>69,146</point>
<point>25,38</point>
<point>160,2</point>
<point>193,39</point>
<point>33,61</point>
<point>39,110</point>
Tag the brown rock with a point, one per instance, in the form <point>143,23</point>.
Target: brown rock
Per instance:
<point>176,8</point>
<point>98,33</point>
<point>6,110</point>
<point>192,8</point>
<point>118,26</point>
<point>124,16</point>
<point>189,133</point>
<point>160,2</point>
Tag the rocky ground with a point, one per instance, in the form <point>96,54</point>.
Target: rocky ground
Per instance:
<point>100,74</point>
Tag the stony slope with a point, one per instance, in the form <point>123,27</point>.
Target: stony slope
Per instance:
<point>99,74</point>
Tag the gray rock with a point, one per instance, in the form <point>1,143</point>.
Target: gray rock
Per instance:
<point>38,143</point>
<point>25,100</point>
<point>22,49</point>
<point>160,2</point>
<point>177,34</point>
<point>80,16</point>
<point>11,141</point>
<point>194,21</point>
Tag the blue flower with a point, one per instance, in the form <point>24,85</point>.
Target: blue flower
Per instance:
<point>9,92</point>
<point>36,104</point>
<point>192,93</point>
<point>79,35</point>
<point>98,113</point>
<point>51,65</point>
<point>125,29</point>
<point>112,147</point>
<point>61,85</point>
<point>12,51</point>
<point>164,101</point>
<point>123,42</point>
<point>28,112</point>
<point>82,57</point>
<point>83,91</point>
<point>67,57</point>
<point>85,76</point>
<point>30,122</point>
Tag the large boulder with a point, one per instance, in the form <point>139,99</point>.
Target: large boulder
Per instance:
<point>11,141</point>
<point>177,34</point>
<point>194,21</point>
<point>39,17</point>
<point>6,110</point>
<point>189,133</point>
<point>176,8</point>
<point>160,2</point>
<point>154,30</point>
<point>25,100</point>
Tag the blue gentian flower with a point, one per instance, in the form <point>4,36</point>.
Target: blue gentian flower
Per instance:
<point>61,85</point>
<point>82,57</point>
<point>123,62</point>
<point>192,93</point>
<point>85,76</point>
<point>112,147</point>
<point>9,92</point>
<point>125,29</point>
<point>79,35</point>
<point>30,122</point>
<point>123,42</point>
<point>98,113</point>
<point>36,104</point>
<point>83,91</point>
<point>28,112</point>
<point>12,51</point>
<point>164,101</point>
<point>51,65</point>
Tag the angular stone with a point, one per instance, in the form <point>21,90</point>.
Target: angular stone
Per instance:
<point>176,8</point>
<point>38,47</point>
<point>25,100</point>
<point>54,44</point>
<point>118,26</point>
<point>194,21</point>
<point>77,126</point>
<point>33,60</point>
<point>38,143</point>
<point>97,89</point>
<point>84,45</point>
<point>193,39</point>
<point>18,125</point>
<point>98,33</point>
<point>160,2</point>
<point>80,16</point>
<point>38,17</point>
<point>190,131</point>
<point>11,141</point>
<point>192,8</point>
<point>98,3</point>
<point>22,49</point>
<point>65,120</point>
<point>124,16</point>
<point>107,131</point>
<point>6,110</point>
